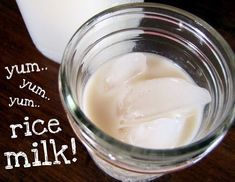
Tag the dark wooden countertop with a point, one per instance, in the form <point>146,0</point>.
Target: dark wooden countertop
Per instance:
<point>17,48</point>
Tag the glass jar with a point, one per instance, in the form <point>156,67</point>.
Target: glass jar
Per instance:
<point>167,31</point>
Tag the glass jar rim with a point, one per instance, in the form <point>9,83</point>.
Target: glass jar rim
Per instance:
<point>88,127</point>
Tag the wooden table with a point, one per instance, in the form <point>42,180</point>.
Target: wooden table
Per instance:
<point>16,48</point>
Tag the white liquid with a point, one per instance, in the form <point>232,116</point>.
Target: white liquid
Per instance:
<point>51,23</point>
<point>145,100</point>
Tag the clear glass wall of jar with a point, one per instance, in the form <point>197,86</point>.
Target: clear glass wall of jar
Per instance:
<point>167,31</point>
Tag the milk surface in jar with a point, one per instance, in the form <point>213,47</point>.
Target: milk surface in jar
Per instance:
<point>145,100</point>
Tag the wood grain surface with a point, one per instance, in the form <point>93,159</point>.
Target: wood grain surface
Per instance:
<point>16,48</point>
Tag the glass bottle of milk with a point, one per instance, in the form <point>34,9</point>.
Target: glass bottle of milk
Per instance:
<point>51,23</point>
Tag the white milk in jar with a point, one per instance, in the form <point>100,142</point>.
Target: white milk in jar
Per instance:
<point>145,100</point>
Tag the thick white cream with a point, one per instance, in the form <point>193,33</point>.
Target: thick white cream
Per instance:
<point>145,100</point>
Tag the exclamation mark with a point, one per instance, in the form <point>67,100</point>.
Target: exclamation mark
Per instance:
<point>74,151</point>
